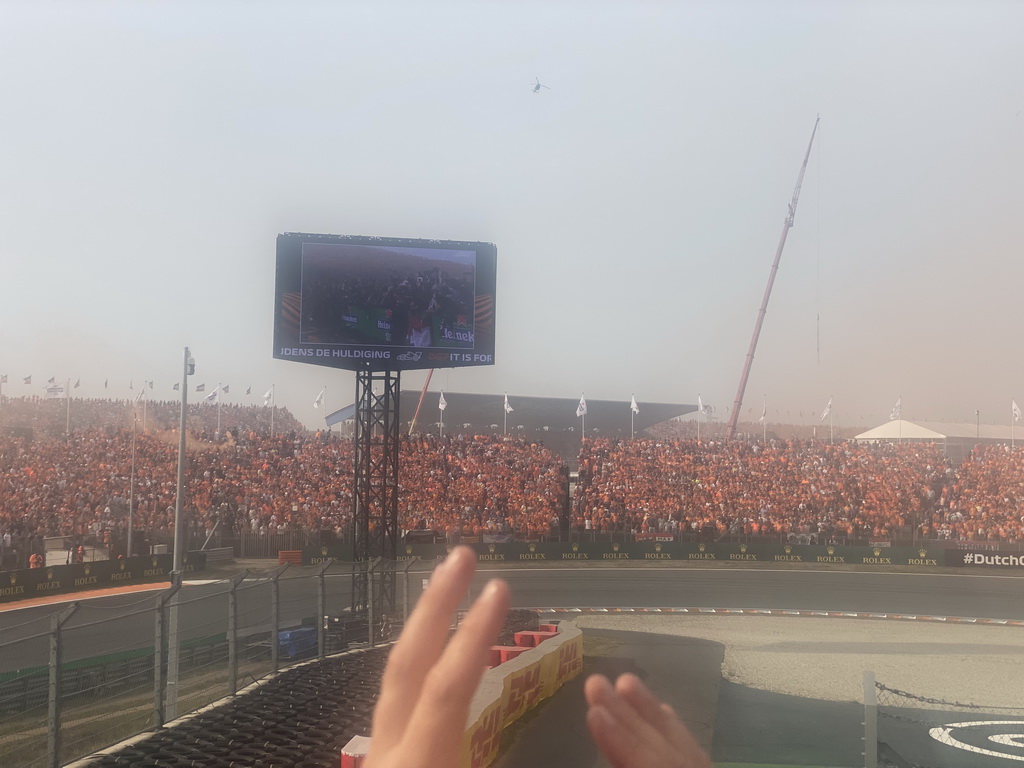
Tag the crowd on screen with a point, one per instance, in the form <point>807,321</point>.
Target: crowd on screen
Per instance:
<point>243,479</point>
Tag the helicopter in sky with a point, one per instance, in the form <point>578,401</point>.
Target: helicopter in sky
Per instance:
<point>538,85</point>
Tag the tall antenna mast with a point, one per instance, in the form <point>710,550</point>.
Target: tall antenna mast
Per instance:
<point>790,215</point>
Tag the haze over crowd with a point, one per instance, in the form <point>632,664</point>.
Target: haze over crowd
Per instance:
<point>153,151</point>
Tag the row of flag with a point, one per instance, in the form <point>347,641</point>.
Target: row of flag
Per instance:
<point>53,389</point>
<point>581,409</point>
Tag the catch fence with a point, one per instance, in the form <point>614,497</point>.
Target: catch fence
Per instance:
<point>96,672</point>
<point>910,730</point>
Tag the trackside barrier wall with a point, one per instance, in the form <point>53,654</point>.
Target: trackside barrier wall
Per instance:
<point>30,583</point>
<point>505,693</point>
<point>511,689</point>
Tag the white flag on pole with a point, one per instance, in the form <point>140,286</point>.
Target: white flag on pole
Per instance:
<point>897,409</point>
<point>764,410</point>
<point>214,396</point>
<point>268,396</point>
<point>632,404</point>
<point>508,408</point>
<point>581,409</point>
<point>442,403</point>
<point>319,398</point>
<point>1015,409</point>
<point>827,411</point>
<point>700,404</point>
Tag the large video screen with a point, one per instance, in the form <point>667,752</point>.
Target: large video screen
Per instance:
<point>384,303</point>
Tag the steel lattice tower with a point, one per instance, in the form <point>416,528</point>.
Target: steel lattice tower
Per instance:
<point>375,512</point>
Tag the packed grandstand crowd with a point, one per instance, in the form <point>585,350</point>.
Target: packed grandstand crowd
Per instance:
<point>240,477</point>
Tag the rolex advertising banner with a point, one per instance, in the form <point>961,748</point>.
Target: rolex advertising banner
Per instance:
<point>100,574</point>
<point>646,551</point>
<point>340,552</point>
<point>971,557</point>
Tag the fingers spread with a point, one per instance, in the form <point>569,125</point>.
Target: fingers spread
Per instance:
<point>649,708</point>
<point>450,686</point>
<point>420,645</point>
<point>615,738</point>
<point>635,730</point>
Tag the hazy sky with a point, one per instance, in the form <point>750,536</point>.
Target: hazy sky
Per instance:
<point>150,152</point>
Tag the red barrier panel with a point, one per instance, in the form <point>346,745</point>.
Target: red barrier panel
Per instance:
<point>533,639</point>
<point>511,651</point>
<point>354,753</point>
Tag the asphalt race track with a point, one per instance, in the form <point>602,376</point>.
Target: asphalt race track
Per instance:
<point>129,618</point>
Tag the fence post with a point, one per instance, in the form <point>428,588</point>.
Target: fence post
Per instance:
<point>233,631</point>
<point>275,615</point>
<point>321,610</point>
<point>371,569</point>
<point>158,655</point>
<point>870,721</point>
<point>56,674</point>
<point>405,597</point>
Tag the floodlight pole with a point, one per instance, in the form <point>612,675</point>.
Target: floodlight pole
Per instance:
<point>179,532</point>
<point>171,698</point>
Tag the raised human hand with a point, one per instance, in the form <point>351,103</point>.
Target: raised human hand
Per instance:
<point>634,729</point>
<point>429,682</point>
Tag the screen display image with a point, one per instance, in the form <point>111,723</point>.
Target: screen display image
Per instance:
<point>365,294</point>
<point>386,304</point>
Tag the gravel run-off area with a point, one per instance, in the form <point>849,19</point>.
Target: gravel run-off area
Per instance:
<point>825,659</point>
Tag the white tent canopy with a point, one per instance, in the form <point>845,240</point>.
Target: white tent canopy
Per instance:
<point>900,429</point>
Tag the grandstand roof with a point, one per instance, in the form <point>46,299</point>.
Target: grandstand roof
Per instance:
<point>552,414</point>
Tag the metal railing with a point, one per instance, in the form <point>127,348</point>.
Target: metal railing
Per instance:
<point>94,673</point>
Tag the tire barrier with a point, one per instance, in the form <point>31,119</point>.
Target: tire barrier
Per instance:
<point>300,719</point>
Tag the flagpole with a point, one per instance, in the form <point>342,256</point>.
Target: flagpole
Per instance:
<point>1011,424</point>
<point>504,428</point>
<point>144,401</point>
<point>700,408</point>
<point>272,409</point>
<point>131,485</point>
<point>831,433</point>
<point>631,417</point>
<point>67,419</point>
<point>218,409</point>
